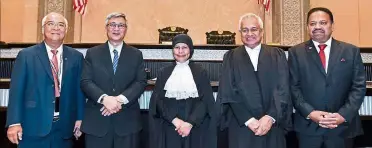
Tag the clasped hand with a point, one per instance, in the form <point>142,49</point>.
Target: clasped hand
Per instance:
<point>326,119</point>
<point>261,127</point>
<point>111,105</point>
<point>183,128</point>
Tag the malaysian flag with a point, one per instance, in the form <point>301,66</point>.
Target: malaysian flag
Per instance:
<point>80,6</point>
<point>265,3</point>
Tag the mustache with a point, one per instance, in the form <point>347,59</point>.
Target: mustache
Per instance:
<point>316,30</point>
<point>250,36</point>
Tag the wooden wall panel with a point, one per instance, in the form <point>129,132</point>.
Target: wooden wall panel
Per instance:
<point>365,23</point>
<point>346,17</point>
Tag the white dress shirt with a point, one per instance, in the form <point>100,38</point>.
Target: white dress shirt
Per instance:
<point>123,99</point>
<point>253,55</point>
<point>327,50</point>
<point>59,59</point>
<point>60,64</point>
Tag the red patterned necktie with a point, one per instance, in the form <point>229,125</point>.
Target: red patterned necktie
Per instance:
<point>55,70</point>
<point>322,54</point>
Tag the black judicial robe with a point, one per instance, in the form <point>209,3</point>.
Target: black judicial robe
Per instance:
<point>244,93</point>
<point>200,112</point>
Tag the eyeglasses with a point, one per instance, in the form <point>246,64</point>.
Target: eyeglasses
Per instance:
<point>252,30</point>
<point>55,24</point>
<point>114,25</point>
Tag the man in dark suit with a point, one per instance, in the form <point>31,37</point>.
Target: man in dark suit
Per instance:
<point>45,100</point>
<point>254,90</point>
<point>328,86</point>
<point>113,79</point>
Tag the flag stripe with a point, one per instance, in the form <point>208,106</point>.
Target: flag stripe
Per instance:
<point>80,6</point>
<point>79,3</point>
<point>268,5</point>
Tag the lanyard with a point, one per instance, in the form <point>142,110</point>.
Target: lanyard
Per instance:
<point>54,69</point>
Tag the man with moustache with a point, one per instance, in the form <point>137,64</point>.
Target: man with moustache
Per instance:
<point>113,79</point>
<point>328,86</point>
<point>45,99</point>
<point>254,90</point>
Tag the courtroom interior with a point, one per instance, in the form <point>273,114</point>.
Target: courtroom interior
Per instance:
<point>213,26</point>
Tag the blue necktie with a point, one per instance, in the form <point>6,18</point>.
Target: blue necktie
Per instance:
<point>115,61</point>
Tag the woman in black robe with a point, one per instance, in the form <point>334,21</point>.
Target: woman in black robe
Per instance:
<point>182,111</point>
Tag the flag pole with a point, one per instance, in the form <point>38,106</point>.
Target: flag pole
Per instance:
<point>81,28</point>
<point>264,24</point>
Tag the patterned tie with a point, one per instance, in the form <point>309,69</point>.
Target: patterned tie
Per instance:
<point>115,61</point>
<point>322,54</point>
<point>55,71</point>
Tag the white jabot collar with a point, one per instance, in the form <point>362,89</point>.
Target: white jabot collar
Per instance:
<point>181,84</point>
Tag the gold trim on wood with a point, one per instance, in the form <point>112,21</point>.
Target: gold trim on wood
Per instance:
<point>70,16</point>
<point>292,29</point>
<point>55,6</point>
<point>276,25</point>
<point>41,13</point>
<point>306,8</point>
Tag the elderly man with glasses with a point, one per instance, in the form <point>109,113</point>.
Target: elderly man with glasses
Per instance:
<point>45,101</point>
<point>254,90</point>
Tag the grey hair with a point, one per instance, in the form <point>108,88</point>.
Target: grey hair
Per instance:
<point>115,15</point>
<point>250,15</point>
<point>46,16</point>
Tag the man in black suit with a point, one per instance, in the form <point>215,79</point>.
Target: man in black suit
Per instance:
<point>254,90</point>
<point>328,86</point>
<point>113,79</point>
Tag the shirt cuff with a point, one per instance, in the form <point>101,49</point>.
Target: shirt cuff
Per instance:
<point>249,121</point>
<point>100,98</point>
<point>14,124</point>
<point>123,99</point>
<point>272,119</point>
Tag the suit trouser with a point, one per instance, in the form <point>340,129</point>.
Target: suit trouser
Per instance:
<point>307,141</point>
<point>53,140</point>
<point>112,140</point>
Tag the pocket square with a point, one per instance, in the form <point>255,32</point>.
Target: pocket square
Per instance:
<point>343,60</point>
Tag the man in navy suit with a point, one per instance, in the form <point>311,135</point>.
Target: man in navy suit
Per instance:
<point>328,86</point>
<point>45,100</point>
<point>113,79</point>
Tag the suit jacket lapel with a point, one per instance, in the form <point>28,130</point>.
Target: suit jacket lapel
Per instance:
<point>44,59</point>
<point>335,54</point>
<point>311,50</point>
<point>123,57</point>
<point>66,58</point>
<point>249,82</point>
<point>264,60</point>
<point>264,67</point>
<point>167,73</point>
<point>124,60</point>
<point>106,59</point>
<point>245,56</point>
